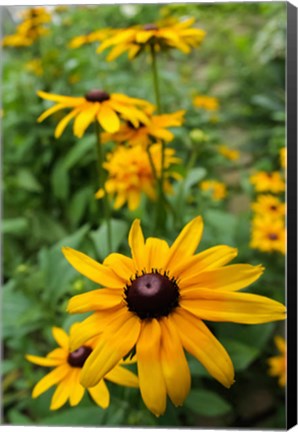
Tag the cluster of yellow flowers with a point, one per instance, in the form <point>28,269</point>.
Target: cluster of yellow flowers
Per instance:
<point>268,224</point>
<point>151,306</point>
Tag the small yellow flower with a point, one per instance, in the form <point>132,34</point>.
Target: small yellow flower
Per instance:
<point>277,364</point>
<point>159,36</point>
<point>268,234</point>
<point>130,174</point>
<point>229,153</point>
<point>268,205</point>
<point>67,370</point>
<point>218,189</point>
<point>206,102</point>
<point>283,157</point>
<point>97,105</point>
<point>268,181</point>
<point>156,302</point>
<point>89,38</point>
<point>145,134</point>
<point>35,66</point>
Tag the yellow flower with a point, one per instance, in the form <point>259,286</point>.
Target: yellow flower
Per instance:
<point>35,66</point>
<point>283,157</point>
<point>67,370</point>
<point>144,134</point>
<point>217,189</point>
<point>206,102</point>
<point>229,153</point>
<point>268,181</point>
<point>131,174</point>
<point>160,36</point>
<point>268,234</point>
<point>97,105</point>
<point>156,302</point>
<point>95,36</point>
<point>269,205</point>
<point>277,364</point>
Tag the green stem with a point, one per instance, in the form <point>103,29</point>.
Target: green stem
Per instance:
<point>106,207</point>
<point>155,78</point>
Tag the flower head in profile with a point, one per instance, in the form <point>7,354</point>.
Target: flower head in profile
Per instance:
<point>268,234</point>
<point>228,153</point>
<point>130,174</point>
<point>217,189</point>
<point>145,134</point>
<point>277,364</point>
<point>156,302</point>
<point>264,181</point>
<point>97,105</point>
<point>270,205</point>
<point>160,36</point>
<point>67,369</point>
<point>208,103</point>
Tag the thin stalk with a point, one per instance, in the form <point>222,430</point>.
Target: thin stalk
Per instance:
<point>106,206</point>
<point>155,78</point>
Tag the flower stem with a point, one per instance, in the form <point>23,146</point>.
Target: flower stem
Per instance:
<point>106,207</point>
<point>155,78</point>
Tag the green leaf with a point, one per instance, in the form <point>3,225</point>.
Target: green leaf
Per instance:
<point>242,355</point>
<point>14,226</point>
<point>60,180</point>
<point>77,152</point>
<point>206,403</point>
<point>100,237</point>
<point>26,180</point>
<point>194,176</point>
<point>17,418</point>
<point>76,416</point>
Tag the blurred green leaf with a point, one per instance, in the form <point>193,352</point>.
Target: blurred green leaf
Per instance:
<point>14,226</point>
<point>87,416</point>
<point>242,355</point>
<point>100,236</point>
<point>26,180</point>
<point>207,403</point>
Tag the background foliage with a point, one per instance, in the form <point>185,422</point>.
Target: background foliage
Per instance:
<point>48,196</point>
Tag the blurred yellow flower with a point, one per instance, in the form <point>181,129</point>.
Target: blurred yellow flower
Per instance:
<point>218,189</point>
<point>283,157</point>
<point>95,36</point>
<point>208,103</point>
<point>268,234</point>
<point>130,174</point>
<point>144,135</point>
<point>268,181</point>
<point>268,205</point>
<point>35,66</point>
<point>159,36</point>
<point>67,371</point>
<point>97,105</point>
<point>229,153</point>
<point>277,364</point>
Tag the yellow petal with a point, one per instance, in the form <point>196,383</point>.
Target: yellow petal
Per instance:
<point>231,278</point>
<point>52,378</point>
<point>61,337</point>
<point>64,122</point>
<point>99,299</point>
<point>121,265</point>
<point>59,354</point>
<point>92,269</point>
<point>116,52</point>
<point>134,198</point>
<point>152,385</point>
<point>122,376</point>
<point>156,251</point>
<point>137,245</point>
<point>200,342</point>
<point>100,394</point>
<point>115,342</point>
<point>50,111</point>
<point>144,36</point>
<point>66,100</point>
<point>42,361</point>
<point>108,119</point>
<point>187,241</point>
<point>77,391</point>
<point>62,392</point>
<point>218,305</point>
<point>85,118</point>
<point>174,364</point>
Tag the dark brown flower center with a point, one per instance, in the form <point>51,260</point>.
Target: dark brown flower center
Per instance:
<point>97,96</point>
<point>78,357</point>
<point>273,207</point>
<point>152,295</point>
<point>150,27</point>
<point>272,236</point>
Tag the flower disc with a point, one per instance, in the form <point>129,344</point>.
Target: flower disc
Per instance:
<point>78,357</point>
<point>97,96</point>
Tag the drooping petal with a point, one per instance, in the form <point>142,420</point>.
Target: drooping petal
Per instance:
<point>62,393</point>
<point>64,122</point>
<point>108,119</point>
<point>122,376</point>
<point>66,100</point>
<point>156,251</point>
<point>77,391</point>
<point>152,384</point>
<point>100,394</point>
<point>92,269</point>
<point>201,343</point>
<point>50,111</point>
<point>174,364</point>
<point>137,245</point>
<point>115,342</point>
<point>219,305</point>
<point>61,337</point>
<point>52,378</point>
<point>231,278</point>
<point>85,118</point>
<point>42,361</point>
<point>99,299</point>
<point>187,241</point>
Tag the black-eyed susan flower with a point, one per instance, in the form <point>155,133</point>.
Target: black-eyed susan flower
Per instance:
<point>130,174</point>
<point>270,205</point>
<point>264,181</point>
<point>277,364</point>
<point>228,153</point>
<point>268,234</point>
<point>156,36</point>
<point>156,302</point>
<point>208,103</point>
<point>66,373</point>
<point>97,105</point>
<point>145,134</point>
<point>217,189</point>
